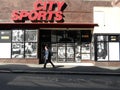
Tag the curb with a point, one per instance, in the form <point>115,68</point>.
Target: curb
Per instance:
<point>59,72</point>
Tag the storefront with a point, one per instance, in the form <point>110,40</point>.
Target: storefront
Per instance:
<point>74,30</point>
<point>25,42</point>
<point>107,36</point>
<point>65,46</point>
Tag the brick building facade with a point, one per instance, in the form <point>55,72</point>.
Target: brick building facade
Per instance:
<point>23,39</point>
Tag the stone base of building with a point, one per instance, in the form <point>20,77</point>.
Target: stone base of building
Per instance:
<point>25,61</point>
<point>113,64</point>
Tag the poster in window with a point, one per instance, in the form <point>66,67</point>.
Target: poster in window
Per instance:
<point>18,36</point>
<point>54,56</point>
<point>31,36</point>
<point>86,56</point>
<point>17,50</point>
<point>61,52</point>
<point>102,51</point>
<point>77,53</point>
<point>70,52</point>
<point>31,50</point>
<point>54,48</point>
<point>85,48</point>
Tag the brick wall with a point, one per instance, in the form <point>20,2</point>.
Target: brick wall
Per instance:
<point>114,64</point>
<point>76,10</point>
<point>25,61</point>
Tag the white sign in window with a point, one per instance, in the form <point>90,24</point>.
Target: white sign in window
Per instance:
<point>114,51</point>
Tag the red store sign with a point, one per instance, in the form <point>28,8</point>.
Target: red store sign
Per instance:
<point>43,11</point>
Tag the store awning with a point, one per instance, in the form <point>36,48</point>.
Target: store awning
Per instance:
<point>46,25</point>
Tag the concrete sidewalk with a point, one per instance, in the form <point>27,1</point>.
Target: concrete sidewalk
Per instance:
<point>75,69</point>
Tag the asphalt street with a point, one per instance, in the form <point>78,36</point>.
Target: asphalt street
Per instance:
<point>19,81</point>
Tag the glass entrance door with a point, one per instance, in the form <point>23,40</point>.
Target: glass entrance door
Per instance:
<point>66,52</point>
<point>67,46</point>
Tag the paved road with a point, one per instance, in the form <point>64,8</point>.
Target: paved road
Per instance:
<point>13,81</point>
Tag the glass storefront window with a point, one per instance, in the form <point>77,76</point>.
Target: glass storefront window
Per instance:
<point>85,48</point>
<point>31,36</point>
<point>92,51</point>
<point>5,36</point>
<point>69,47</point>
<point>77,53</point>
<point>17,50</point>
<point>31,50</point>
<point>18,36</point>
<point>5,44</point>
<point>107,47</point>
<point>70,52</point>
<point>114,51</point>
<point>53,36</point>
<point>102,38</point>
<point>54,52</point>
<point>31,44</point>
<point>102,53</point>
<point>18,43</point>
<point>85,56</point>
<point>61,52</point>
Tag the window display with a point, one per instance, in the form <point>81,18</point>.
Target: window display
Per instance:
<point>18,50</point>
<point>102,53</point>
<point>17,35</point>
<point>85,56</point>
<point>107,47</point>
<point>31,36</point>
<point>54,52</point>
<point>30,50</point>
<point>102,38</point>
<point>77,53</point>
<point>24,44</point>
<point>61,52</point>
<point>85,48</point>
<point>70,52</point>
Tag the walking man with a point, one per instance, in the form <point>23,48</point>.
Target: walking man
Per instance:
<point>47,57</point>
